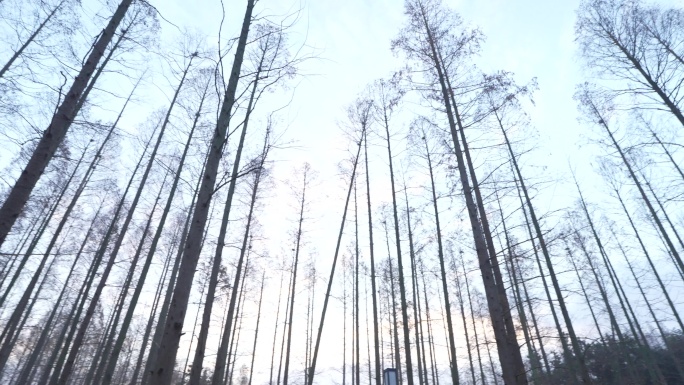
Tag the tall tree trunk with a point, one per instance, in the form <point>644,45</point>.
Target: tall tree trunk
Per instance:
<point>113,346</point>
<point>357,317</point>
<point>472,319</point>
<point>61,192</point>
<point>535,324</point>
<point>282,337</point>
<point>159,328</point>
<point>647,201</point>
<point>235,338</point>
<point>376,325</point>
<point>639,337</point>
<point>344,327</point>
<point>579,355</point>
<point>221,355</point>
<point>116,350</point>
<point>400,265</point>
<point>507,347</point>
<point>27,235</point>
<point>414,287</point>
<point>162,370</point>
<point>314,358</point>
<point>649,349</point>
<point>30,39</point>
<point>197,363</point>
<point>57,130</point>
<point>192,335</point>
<point>155,305</point>
<point>513,278</point>
<point>395,327</point>
<point>256,329</point>
<point>650,262</point>
<point>459,295</point>
<point>662,209</point>
<point>368,337</point>
<point>602,291</point>
<point>431,344</point>
<point>31,361</point>
<point>85,322</point>
<point>294,274</point>
<point>275,329</point>
<point>440,255</point>
<point>11,326</point>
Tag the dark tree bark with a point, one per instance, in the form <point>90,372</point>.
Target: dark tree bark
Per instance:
<point>58,128</point>
<point>314,358</point>
<point>162,370</point>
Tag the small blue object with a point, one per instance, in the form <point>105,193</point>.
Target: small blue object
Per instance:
<point>389,376</point>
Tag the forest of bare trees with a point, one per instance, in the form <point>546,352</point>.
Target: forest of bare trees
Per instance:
<point>156,228</point>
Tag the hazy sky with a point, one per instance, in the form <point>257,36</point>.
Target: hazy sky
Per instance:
<point>351,40</point>
<point>351,44</point>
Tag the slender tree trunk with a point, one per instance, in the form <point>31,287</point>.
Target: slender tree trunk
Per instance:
<point>431,342</point>
<point>106,348</point>
<point>650,262</point>
<point>395,327</point>
<point>541,273</point>
<point>30,39</point>
<point>192,335</point>
<point>85,322</point>
<point>221,355</point>
<point>34,243</point>
<point>639,337</point>
<point>636,64</point>
<point>509,353</point>
<point>586,297</point>
<point>662,209</point>
<point>649,349</point>
<point>400,265</point>
<point>376,325</point>
<point>312,371</point>
<point>294,276</point>
<point>472,319</point>
<point>579,355</point>
<point>344,327</point>
<point>282,337</point>
<point>153,311</point>
<point>116,350</point>
<point>465,327</point>
<point>15,338</point>
<point>162,370</point>
<point>197,363</point>
<point>235,338</point>
<point>604,295</point>
<point>513,277</point>
<point>27,235</point>
<point>654,215</point>
<point>11,326</point>
<point>275,329</point>
<point>370,360</point>
<point>412,258</point>
<point>31,361</point>
<point>57,130</point>
<point>256,329</point>
<point>440,255</point>
<point>159,329</point>
<point>110,355</point>
<point>667,152</point>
